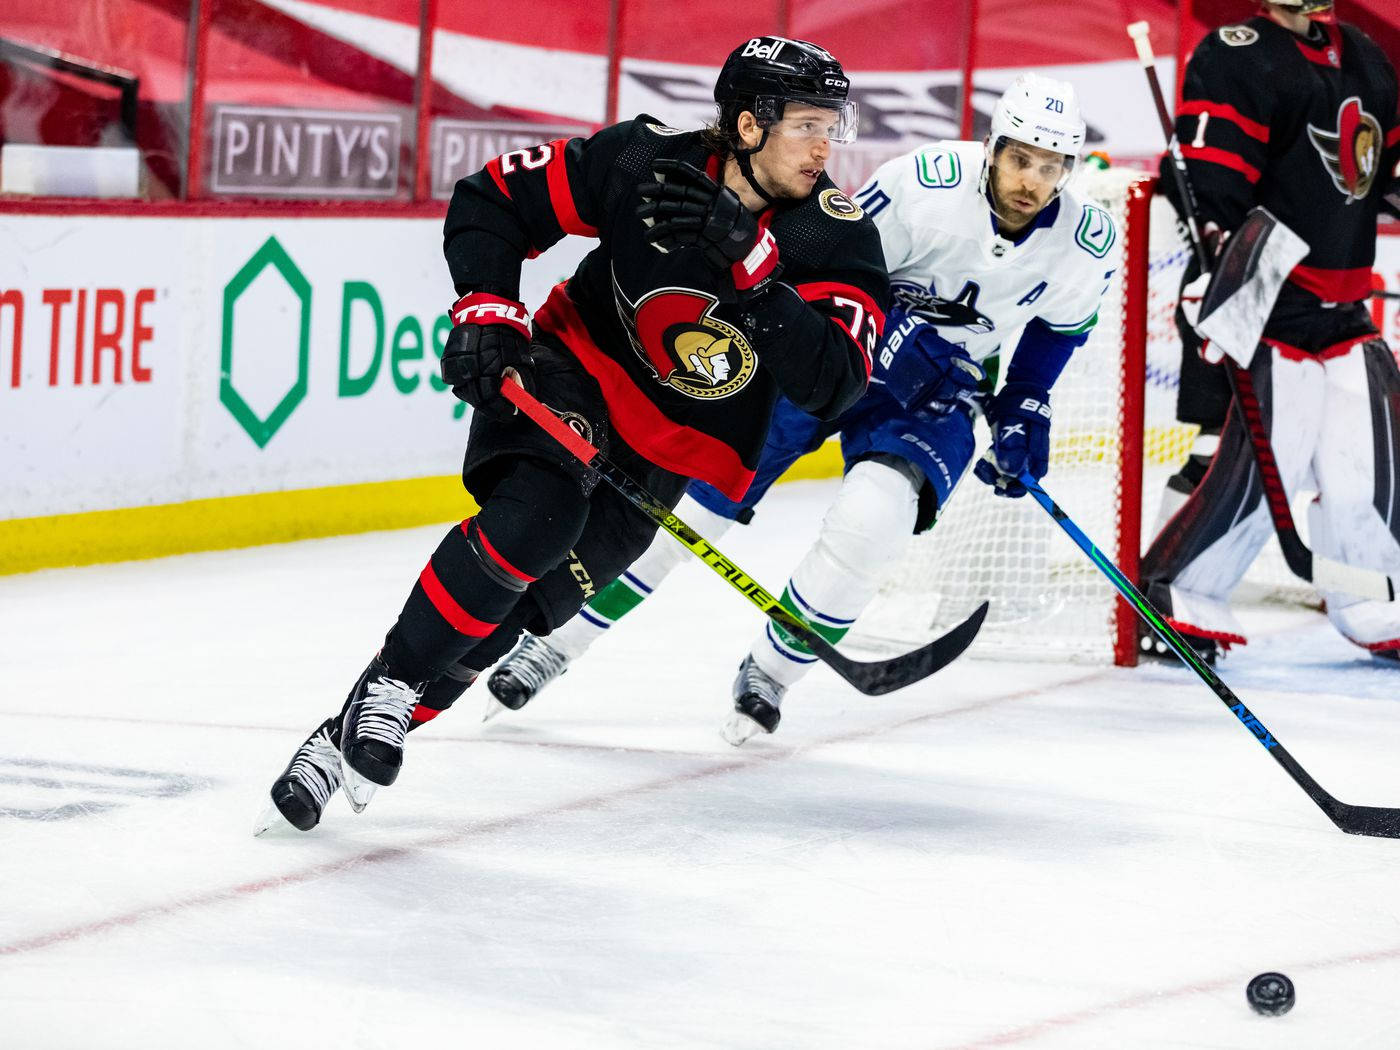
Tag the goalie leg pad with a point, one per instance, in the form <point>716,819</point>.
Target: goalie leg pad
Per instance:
<point>1203,551</point>
<point>1356,519</point>
<point>862,536</point>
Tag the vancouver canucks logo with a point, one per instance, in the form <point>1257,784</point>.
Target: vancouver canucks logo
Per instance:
<point>961,312</point>
<point>675,333</point>
<point>1352,153</point>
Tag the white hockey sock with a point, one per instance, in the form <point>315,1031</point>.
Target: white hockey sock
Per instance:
<point>864,533</point>
<point>643,576</point>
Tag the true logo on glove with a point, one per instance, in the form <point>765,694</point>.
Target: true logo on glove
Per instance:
<point>479,308</point>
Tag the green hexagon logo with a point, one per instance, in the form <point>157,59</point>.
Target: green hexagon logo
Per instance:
<point>270,255</point>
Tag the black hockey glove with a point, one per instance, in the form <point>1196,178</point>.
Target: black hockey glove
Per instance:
<point>1019,416</point>
<point>686,208</point>
<point>491,335</point>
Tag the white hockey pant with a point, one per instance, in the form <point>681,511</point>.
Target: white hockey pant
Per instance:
<point>863,535</point>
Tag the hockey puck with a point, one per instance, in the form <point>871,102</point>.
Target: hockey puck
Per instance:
<point>1270,994</point>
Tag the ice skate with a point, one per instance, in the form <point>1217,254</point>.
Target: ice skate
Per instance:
<point>300,794</point>
<point>529,667</point>
<point>756,700</point>
<point>372,734</point>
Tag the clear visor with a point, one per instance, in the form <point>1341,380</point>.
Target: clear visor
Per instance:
<point>816,119</point>
<point>1023,179</point>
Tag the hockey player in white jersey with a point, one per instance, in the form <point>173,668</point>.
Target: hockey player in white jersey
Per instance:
<point>981,239</point>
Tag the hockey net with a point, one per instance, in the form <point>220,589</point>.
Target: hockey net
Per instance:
<point>1115,441</point>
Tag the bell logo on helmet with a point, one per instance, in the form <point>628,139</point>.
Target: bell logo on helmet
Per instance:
<point>763,47</point>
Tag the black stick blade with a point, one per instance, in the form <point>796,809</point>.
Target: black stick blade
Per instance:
<point>876,678</point>
<point>1374,821</point>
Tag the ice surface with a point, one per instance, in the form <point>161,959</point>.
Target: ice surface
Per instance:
<point>1005,855</point>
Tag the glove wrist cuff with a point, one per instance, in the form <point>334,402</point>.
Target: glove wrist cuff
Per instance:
<point>484,308</point>
<point>759,265</point>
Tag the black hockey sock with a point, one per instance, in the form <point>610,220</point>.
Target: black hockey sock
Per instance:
<point>481,569</point>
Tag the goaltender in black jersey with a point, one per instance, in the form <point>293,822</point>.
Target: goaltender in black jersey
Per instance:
<point>1295,112</point>
<point>729,270</point>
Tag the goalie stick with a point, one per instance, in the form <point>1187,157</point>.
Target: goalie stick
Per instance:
<point>1374,821</point>
<point>873,678</point>
<point>1324,573</point>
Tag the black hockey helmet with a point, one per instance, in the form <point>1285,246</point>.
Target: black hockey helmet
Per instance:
<point>778,68</point>
<point>762,75</point>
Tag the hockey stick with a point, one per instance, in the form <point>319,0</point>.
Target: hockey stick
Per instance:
<point>1324,573</point>
<point>1374,821</point>
<point>872,678</point>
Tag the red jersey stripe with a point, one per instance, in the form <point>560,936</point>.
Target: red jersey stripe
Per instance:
<point>493,168</point>
<point>561,197</point>
<point>1333,286</point>
<point>1215,155</point>
<point>638,421</point>
<point>1253,128</point>
<point>461,621</point>
<point>818,290</point>
<point>1392,137</point>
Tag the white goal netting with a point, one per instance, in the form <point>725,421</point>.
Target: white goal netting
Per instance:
<point>1047,600</point>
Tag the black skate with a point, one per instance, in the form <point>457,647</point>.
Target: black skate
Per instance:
<point>756,699</point>
<point>531,666</point>
<point>373,727</point>
<point>1387,656</point>
<point>300,794</point>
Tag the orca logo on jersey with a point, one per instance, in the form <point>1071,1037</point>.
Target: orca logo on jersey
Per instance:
<point>1352,153</point>
<point>961,312</point>
<point>682,343</point>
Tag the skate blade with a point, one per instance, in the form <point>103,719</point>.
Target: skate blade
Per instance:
<point>269,818</point>
<point>493,708</point>
<point>358,790</point>
<point>738,728</point>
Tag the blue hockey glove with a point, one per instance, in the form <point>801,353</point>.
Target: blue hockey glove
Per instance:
<point>922,370</point>
<point>1019,416</point>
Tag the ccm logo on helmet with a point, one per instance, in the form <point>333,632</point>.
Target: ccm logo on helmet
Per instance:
<point>762,47</point>
<point>837,82</point>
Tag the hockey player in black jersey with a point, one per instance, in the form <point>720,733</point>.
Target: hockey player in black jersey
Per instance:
<point>1295,112</point>
<point>729,270</point>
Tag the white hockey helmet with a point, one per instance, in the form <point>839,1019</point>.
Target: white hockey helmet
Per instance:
<point>1041,112</point>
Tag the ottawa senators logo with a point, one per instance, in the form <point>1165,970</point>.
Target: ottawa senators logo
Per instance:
<point>838,205</point>
<point>1352,153</point>
<point>674,332</point>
